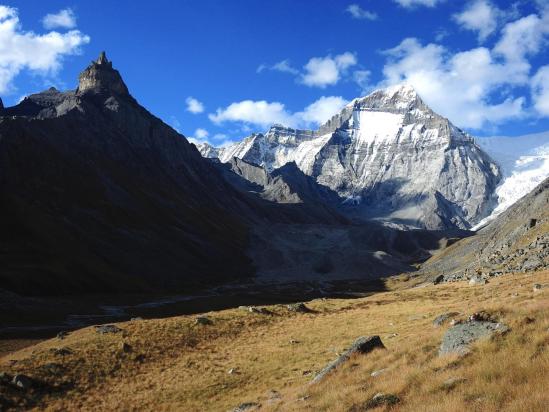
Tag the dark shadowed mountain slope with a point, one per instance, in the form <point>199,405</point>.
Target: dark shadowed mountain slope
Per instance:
<point>516,241</point>
<point>97,194</point>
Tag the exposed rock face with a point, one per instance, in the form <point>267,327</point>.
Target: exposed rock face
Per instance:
<point>100,77</point>
<point>388,156</point>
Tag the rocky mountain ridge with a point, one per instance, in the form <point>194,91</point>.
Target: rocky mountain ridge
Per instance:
<point>389,157</point>
<point>515,241</point>
<point>98,195</point>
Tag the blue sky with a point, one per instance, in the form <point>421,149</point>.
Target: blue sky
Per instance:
<point>219,69</point>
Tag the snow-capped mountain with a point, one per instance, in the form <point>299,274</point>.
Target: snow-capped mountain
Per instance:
<point>524,161</point>
<point>389,157</point>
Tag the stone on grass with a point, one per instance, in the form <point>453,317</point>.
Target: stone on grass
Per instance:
<point>62,335</point>
<point>459,337</point>
<point>378,372</point>
<point>376,401</point>
<point>203,320</point>
<point>247,406</point>
<point>362,345</point>
<point>536,287</point>
<point>441,319</point>
<point>103,329</point>
<point>477,280</point>
<point>262,311</point>
<point>22,382</point>
<point>62,351</point>
<point>298,307</point>
<point>255,309</point>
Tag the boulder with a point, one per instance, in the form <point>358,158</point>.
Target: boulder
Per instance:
<point>477,280</point>
<point>362,345</point>
<point>532,263</point>
<point>62,351</point>
<point>203,320</point>
<point>255,309</point>
<point>458,338</point>
<point>298,307</point>
<point>376,401</point>
<point>246,407</point>
<point>103,329</point>
<point>441,319</point>
<point>22,382</point>
<point>62,335</point>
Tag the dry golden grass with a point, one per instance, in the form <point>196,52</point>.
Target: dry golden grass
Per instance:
<point>176,365</point>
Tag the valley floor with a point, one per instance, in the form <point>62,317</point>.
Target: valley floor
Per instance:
<point>269,359</point>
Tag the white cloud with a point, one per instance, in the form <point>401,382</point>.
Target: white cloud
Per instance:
<point>458,86</point>
<point>415,3</point>
<point>41,54</point>
<point>264,114</point>
<point>480,16</point>
<point>261,113</point>
<point>540,91</point>
<point>523,37</point>
<point>320,111</point>
<point>358,12</point>
<point>201,133</point>
<point>193,105</point>
<point>327,71</point>
<point>283,66</point>
<point>63,19</point>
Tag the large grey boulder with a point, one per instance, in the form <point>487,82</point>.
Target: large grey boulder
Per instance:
<point>459,337</point>
<point>362,345</point>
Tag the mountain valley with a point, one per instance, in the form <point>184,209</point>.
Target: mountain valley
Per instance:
<point>141,271</point>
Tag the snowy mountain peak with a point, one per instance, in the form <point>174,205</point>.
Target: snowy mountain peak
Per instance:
<point>392,155</point>
<point>399,97</point>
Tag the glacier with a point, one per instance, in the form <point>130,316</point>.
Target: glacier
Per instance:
<point>524,161</point>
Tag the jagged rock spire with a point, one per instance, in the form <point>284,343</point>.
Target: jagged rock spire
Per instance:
<point>100,78</point>
<point>103,59</point>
